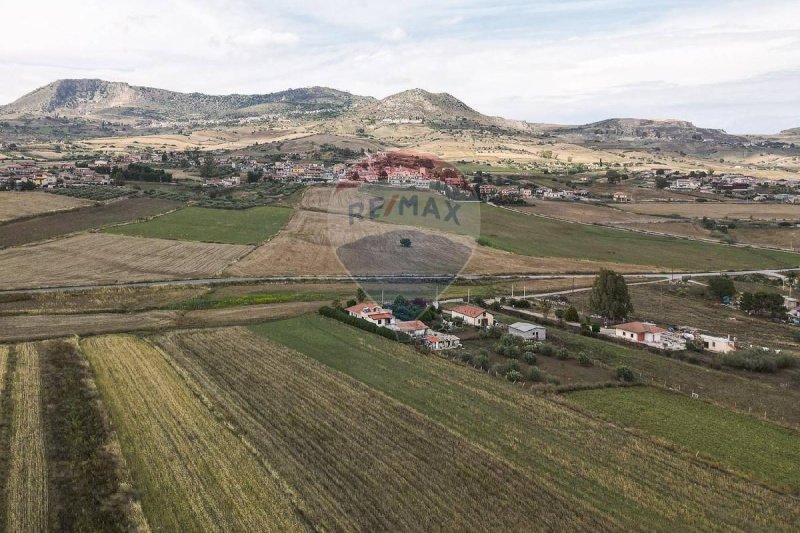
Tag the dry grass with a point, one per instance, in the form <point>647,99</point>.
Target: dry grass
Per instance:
<point>585,212</point>
<point>358,461</point>
<point>744,211</point>
<point>97,258</point>
<point>211,139</point>
<point>27,494</point>
<point>24,204</point>
<point>192,471</point>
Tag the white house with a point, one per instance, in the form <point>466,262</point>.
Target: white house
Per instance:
<point>718,344</point>
<point>641,332</point>
<point>372,312</point>
<point>415,328</point>
<point>527,330</point>
<point>441,341</point>
<point>473,316</point>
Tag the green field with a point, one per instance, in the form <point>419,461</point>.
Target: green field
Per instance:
<point>541,237</point>
<point>623,479</point>
<point>760,449</point>
<point>244,226</point>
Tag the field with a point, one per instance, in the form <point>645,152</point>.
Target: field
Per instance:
<point>245,226</point>
<point>313,425</point>
<point>54,225</point>
<point>25,204</point>
<point>761,450</point>
<point>193,472</point>
<point>529,235</point>
<point>629,480</point>
<point>584,212</point>
<point>743,211</point>
<point>98,258</point>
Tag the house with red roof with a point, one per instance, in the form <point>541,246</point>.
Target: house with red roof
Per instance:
<point>372,312</point>
<point>441,341</point>
<point>641,332</point>
<point>473,316</point>
<point>414,328</point>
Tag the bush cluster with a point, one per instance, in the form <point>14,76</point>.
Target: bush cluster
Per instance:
<point>759,360</point>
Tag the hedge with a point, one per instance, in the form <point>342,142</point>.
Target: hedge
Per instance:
<point>360,323</point>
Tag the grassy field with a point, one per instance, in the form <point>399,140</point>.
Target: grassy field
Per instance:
<point>529,235</point>
<point>355,459</point>
<point>27,490</point>
<point>629,480</point>
<point>231,226</point>
<point>54,225</point>
<point>99,258</point>
<point>761,450</point>
<point>192,471</point>
<point>24,204</point>
<point>745,211</point>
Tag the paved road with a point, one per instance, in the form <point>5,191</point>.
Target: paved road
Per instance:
<point>387,277</point>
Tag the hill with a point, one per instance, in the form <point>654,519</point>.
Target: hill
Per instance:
<point>637,128</point>
<point>99,99</point>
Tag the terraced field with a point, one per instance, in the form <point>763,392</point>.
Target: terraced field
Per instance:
<point>629,480</point>
<point>194,474</point>
<point>356,460</point>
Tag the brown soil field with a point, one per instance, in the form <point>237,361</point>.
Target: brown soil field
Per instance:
<point>96,300</point>
<point>584,212</point>
<point>25,204</point>
<point>36,327</point>
<point>313,425</point>
<point>98,258</point>
<point>742,211</point>
<point>308,245</point>
<point>49,226</point>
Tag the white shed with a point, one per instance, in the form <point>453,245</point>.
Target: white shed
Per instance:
<point>526,330</point>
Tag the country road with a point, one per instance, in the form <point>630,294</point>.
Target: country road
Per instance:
<point>383,277</point>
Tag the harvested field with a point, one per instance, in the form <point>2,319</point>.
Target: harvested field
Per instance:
<point>312,424</point>
<point>96,300</point>
<point>685,228</point>
<point>27,491</point>
<point>631,480</point>
<point>743,211</point>
<point>231,226</point>
<point>33,327</point>
<point>55,225</point>
<point>192,471</point>
<point>759,449</point>
<point>584,212</point>
<point>29,203</point>
<point>787,238</point>
<point>98,258</point>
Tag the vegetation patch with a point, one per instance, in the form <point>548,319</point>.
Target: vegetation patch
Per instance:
<point>759,449</point>
<point>248,226</point>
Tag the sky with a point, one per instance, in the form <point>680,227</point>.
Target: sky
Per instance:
<point>721,64</point>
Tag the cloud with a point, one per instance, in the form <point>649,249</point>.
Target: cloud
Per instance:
<point>395,34</point>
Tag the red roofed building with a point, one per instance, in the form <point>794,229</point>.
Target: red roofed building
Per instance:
<point>473,316</point>
<point>441,341</point>
<point>372,312</point>
<point>415,328</point>
<point>642,332</point>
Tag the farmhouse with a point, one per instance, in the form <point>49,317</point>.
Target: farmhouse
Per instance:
<point>415,328</point>
<point>372,312</point>
<point>718,344</point>
<point>527,330</point>
<point>441,341</point>
<point>473,316</point>
<point>642,332</point>
<point>621,197</point>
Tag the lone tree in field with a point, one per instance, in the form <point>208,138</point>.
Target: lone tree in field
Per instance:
<point>405,243</point>
<point>361,295</point>
<point>610,298</point>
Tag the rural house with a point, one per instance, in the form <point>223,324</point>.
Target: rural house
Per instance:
<point>473,316</point>
<point>415,328</point>
<point>372,312</point>
<point>441,341</point>
<point>718,344</point>
<point>642,332</point>
<point>527,330</point>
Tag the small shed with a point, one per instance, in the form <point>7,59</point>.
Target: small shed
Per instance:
<point>529,331</point>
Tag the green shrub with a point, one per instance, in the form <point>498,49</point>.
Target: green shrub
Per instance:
<point>571,314</point>
<point>759,360</point>
<point>547,349</point>
<point>514,375</point>
<point>625,374</point>
<point>341,316</point>
<point>553,380</point>
<point>529,357</point>
<point>584,359</point>
<point>480,361</point>
<point>562,354</point>
<point>534,374</point>
<point>513,352</point>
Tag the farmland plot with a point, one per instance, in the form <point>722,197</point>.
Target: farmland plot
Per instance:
<point>194,474</point>
<point>98,258</point>
<point>24,204</point>
<point>26,490</point>
<point>357,460</point>
<point>633,481</point>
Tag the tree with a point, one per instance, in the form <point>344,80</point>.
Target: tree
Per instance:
<point>762,304</point>
<point>610,298</point>
<point>546,306</point>
<point>405,243</point>
<point>661,182</point>
<point>571,315</point>
<point>721,286</point>
<point>361,295</point>
<point>613,176</point>
<point>208,166</point>
<point>625,374</point>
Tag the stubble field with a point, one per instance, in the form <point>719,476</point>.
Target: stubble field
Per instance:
<point>29,203</point>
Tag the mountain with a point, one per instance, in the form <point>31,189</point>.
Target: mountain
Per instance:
<point>790,131</point>
<point>637,129</point>
<point>99,99</point>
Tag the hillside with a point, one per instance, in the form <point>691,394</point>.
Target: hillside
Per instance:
<point>636,128</point>
<point>99,99</point>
